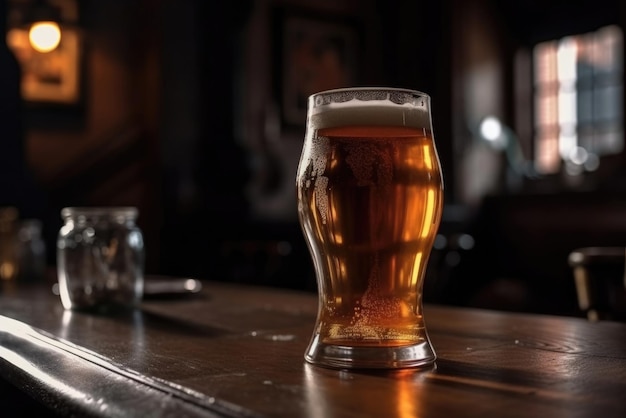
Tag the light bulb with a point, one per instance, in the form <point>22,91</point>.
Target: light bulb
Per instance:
<point>44,36</point>
<point>491,128</point>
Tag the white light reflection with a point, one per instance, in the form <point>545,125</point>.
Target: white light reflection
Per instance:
<point>428,214</point>
<point>491,128</point>
<point>24,365</point>
<point>566,58</point>
<point>23,331</point>
<point>191,285</point>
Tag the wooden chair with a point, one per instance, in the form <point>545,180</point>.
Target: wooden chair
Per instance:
<point>600,277</point>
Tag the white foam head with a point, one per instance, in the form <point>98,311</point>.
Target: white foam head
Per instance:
<point>369,106</point>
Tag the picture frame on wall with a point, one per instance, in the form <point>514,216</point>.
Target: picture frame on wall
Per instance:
<point>315,53</point>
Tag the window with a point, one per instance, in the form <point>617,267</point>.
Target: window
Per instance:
<point>577,97</point>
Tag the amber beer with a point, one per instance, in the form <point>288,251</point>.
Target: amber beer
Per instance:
<point>370,198</point>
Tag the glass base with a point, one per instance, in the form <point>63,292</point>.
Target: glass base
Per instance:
<point>420,354</point>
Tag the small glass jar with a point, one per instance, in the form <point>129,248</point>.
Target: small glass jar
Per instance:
<point>100,258</point>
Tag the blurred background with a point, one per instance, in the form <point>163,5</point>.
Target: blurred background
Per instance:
<point>193,111</point>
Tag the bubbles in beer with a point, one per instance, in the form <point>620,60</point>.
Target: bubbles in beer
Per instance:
<point>318,163</point>
<point>375,302</point>
<point>365,157</point>
<point>321,199</point>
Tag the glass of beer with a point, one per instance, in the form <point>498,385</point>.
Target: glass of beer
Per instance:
<point>370,199</point>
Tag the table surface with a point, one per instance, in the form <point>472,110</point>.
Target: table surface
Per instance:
<point>237,351</point>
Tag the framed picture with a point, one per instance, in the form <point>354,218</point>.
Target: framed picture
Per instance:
<point>315,54</point>
<point>50,77</point>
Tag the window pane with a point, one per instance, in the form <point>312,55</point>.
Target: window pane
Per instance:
<point>607,104</point>
<point>578,97</point>
<point>547,110</point>
<point>585,106</point>
<point>545,62</point>
<point>567,107</point>
<point>547,159</point>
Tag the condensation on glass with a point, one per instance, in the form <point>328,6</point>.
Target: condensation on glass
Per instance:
<point>100,258</point>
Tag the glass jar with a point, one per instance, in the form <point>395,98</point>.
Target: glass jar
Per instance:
<point>100,258</point>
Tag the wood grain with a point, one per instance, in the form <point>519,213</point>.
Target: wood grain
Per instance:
<point>238,351</point>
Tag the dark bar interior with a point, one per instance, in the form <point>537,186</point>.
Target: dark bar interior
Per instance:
<point>194,112</point>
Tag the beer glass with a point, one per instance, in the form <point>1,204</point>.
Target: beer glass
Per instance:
<point>370,199</point>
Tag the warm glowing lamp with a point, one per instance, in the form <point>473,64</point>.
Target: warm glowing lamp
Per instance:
<point>44,36</point>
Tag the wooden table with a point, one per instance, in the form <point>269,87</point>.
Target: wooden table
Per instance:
<point>235,351</point>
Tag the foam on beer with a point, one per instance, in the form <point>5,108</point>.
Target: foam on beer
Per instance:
<point>371,112</point>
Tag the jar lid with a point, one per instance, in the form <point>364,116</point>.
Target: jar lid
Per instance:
<point>100,211</point>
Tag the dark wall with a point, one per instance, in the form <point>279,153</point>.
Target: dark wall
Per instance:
<point>216,166</point>
<point>217,234</point>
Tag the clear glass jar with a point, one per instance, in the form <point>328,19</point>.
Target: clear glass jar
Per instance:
<point>100,258</point>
